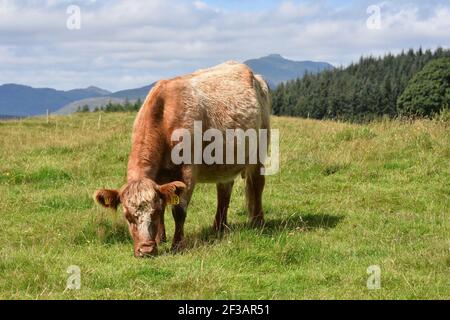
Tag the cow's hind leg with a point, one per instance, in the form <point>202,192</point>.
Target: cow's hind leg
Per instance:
<point>254,189</point>
<point>223,200</point>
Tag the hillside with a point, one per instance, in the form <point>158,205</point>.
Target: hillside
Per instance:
<point>138,93</point>
<point>347,197</point>
<point>119,98</point>
<point>274,69</point>
<point>92,103</point>
<point>277,69</point>
<point>19,100</point>
<point>364,90</point>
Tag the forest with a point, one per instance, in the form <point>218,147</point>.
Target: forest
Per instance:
<point>113,107</point>
<point>412,84</point>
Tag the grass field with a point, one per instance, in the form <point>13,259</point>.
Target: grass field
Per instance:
<point>347,197</point>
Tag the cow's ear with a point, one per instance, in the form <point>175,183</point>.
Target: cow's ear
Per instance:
<point>171,191</point>
<point>107,198</point>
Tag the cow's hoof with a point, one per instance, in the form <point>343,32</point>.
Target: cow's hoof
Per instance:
<point>257,222</point>
<point>219,229</point>
<point>178,247</point>
<point>161,239</point>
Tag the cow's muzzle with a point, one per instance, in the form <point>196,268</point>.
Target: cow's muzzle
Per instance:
<point>146,250</point>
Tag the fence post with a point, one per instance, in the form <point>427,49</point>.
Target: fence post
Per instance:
<point>99,121</point>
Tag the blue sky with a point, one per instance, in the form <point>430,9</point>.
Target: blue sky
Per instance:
<point>131,43</point>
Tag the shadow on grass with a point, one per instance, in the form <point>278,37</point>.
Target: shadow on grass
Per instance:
<point>110,232</point>
<point>272,227</point>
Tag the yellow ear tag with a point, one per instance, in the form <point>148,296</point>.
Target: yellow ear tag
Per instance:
<point>174,200</point>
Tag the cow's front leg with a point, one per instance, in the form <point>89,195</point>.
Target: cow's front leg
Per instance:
<point>179,211</point>
<point>179,215</point>
<point>161,236</point>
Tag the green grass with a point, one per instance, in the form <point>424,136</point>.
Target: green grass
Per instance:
<point>347,197</point>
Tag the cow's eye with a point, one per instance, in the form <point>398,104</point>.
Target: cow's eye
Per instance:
<point>142,206</point>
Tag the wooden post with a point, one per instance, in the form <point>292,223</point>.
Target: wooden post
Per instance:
<point>99,121</point>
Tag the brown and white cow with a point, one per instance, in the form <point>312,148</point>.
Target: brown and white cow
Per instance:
<point>227,96</point>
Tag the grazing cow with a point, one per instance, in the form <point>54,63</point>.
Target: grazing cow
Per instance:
<point>227,96</point>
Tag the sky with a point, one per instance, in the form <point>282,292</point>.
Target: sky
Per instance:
<point>121,44</point>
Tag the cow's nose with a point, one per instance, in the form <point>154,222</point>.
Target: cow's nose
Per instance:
<point>146,251</point>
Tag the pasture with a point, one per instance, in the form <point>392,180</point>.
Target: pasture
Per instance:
<point>347,197</point>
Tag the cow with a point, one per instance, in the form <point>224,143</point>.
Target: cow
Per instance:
<point>227,96</point>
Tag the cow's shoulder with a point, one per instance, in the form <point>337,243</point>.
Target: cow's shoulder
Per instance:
<point>169,87</point>
<point>169,100</point>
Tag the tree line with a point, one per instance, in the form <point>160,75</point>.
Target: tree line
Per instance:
<point>369,89</point>
<point>127,106</point>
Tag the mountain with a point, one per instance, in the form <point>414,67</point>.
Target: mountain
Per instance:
<point>19,100</point>
<point>90,91</point>
<point>92,103</point>
<point>133,93</point>
<point>119,97</point>
<point>5,117</point>
<point>276,69</point>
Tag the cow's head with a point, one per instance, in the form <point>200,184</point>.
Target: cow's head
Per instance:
<point>143,202</point>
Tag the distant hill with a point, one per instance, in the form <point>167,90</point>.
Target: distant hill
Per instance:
<point>133,93</point>
<point>19,100</point>
<point>119,97</point>
<point>88,92</point>
<point>92,103</point>
<point>276,69</point>
<point>6,117</point>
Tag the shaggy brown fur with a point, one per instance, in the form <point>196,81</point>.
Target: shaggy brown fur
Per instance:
<point>227,96</point>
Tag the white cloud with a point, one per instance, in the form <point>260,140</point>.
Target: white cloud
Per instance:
<point>132,43</point>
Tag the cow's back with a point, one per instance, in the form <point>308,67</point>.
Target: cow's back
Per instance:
<point>227,96</point>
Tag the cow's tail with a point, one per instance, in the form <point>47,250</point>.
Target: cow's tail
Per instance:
<point>254,179</point>
<point>264,100</point>
<point>265,103</point>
